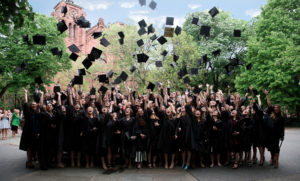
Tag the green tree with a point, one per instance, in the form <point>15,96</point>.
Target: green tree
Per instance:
<point>274,53</point>
<point>13,15</point>
<point>38,58</point>
<point>221,37</point>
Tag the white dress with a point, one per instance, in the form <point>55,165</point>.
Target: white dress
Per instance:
<point>4,123</point>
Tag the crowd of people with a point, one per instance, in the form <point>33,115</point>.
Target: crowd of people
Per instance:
<point>9,120</point>
<point>109,127</point>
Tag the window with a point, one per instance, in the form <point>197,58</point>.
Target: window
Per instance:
<point>70,26</point>
<point>74,33</point>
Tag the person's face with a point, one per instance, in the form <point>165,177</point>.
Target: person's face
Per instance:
<point>140,112</point>
<point>215,113</point>
<point>127,112</point>
<point>104,110</point>
<point>83,101</point>
<point>277,109</point>
<point>243,108</point>
<point>63,109</point>
<point>168,112</point>
<point>34,106</point>
<point>233,113</point>
<point>183,109</point>
<point>203,109</point>
<point>90,110</point>
<point>197,114</point>
<point>49,107</point>
<point>77,107</point>
<point>245,112</point>
<point>137,103</point>
<point>92,104</point>
<point>212,97</point>
<point>212,103</point>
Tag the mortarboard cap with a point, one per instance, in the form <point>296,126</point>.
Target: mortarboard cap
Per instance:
<point>61,26</point>
<point>194,71</point>
<point>121,41</point>
<point>237,33</point>
<point>234,61</point>
<point>39,39</point>
<point>56,89</point>
<point>152,5</point>
<point>205,30</point>
<point>124,76</point>
<point>26,39</point>
<point>80,20</point>
<point>216,53</point>
<point>154,37</point>
<point>249,66</point>
<point>169,32</point>
<point>186,80</point>
<point>142,2</point>
<point>91,57</point>
<point>255,92</point>
<point>213,11</point>
<point>104,42</point>
<point>142,31</point>
<point>87,63</point>
<point>96,53</point>
<point>177,30</point>
<point>142,23</point>
<point>97,34</point>
<point>73,48</point>
<point>63,96</point>
<point>110,74</point>
<point>170,21</point>
<point>132,69</point>
<point>78,80</point>
<point>158,64</point>
<point>164,53</point>
<point>102,78</point>
<point>140,42</point>
<point>85,24</point>
<point>229,69</point>
<point>73,56</point>
<point>38,80</point>
<point>195,21</point>
<point>151,29</point>
<point>162,40</point>
<point>81,72</point>
<point>151,86</point>
<point>64,9</point>
<point>121,34</point>
<point>103,89</point>
<point>54,51</point>
<point>118,80</point>
<point>142,57</point>
<point>175,58</point>
<point>93,91</point>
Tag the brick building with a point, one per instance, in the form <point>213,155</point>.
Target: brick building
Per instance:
<point>81,37</point>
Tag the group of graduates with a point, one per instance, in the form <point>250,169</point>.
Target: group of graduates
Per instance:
<point>198,127</point>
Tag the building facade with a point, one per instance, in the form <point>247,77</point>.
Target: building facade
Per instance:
<point>81,37</point>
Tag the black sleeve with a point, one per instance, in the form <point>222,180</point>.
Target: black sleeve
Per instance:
<point>244,99</point>
<point>169,91</point>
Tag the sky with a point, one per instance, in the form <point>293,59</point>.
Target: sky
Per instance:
<point>130,11</point>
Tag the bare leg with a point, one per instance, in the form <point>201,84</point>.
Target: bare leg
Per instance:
<point>72,159</point>
<point>154,161</point>
<point>59,160</point>
<point>6,133</point>
<point>87,160</point>
<point>92,162</point>
<point>262,155</point>
<point>183,155</point>
<point>212,160</point>
<point>3,136</point>
<point>103,163</point>
<point>201,162</point>
<point>236,159</point>
<point>276,160</point>
<point>254,158</point>
<point>29,159</point>
<point>166,160</point>
<point>172,160</point>
<point>78,159</point>
<point>109,156</point>
<point>13,134</point>
<point>189,155</point>
<point>218,159</point>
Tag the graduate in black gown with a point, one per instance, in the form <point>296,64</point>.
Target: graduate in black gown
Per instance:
<point>275,130</point>
<point>216,138</point>
<point>247,136</point>
<point>126,142</point>
<point>235,127</point>
<point>30,136</point>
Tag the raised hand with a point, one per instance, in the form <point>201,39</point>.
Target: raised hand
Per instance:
<point>266,92</point>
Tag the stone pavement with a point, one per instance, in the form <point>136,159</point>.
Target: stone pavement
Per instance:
<point>12,162</point>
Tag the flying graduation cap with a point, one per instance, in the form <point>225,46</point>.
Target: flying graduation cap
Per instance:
<point>104,42</point>
<point>73,48</point>
<point>195,21</point>
<point>64,10</point>
<point>178,30</point>
<point>110,74</point>
<point>151,86</point>
<point>213,11</point>
<point>217,52</point>
<point>39,39</point>
<point>205,30</point>
<point>164,53</point>
<point>142,58</point>
<point>237,33</point>
<point>142,31</point>
<point>61,26</point>
<point>140,42</point>
<point>96,53</point>
<point>132,69</point>
<point>158,64</point>
<point>170,21</point>
<point>81,72</point>
<point>153,5</point>
<point>162,40</point>
<point>142,23</point>
<point>97,34</point>
<point>124,76</point>
<point>142,2</point>
<point>87,63</point>
<point>74,57</point>
<point>151,29</point>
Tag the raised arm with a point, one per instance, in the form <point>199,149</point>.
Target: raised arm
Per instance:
<point>25,96</point>
<point>268,98</point>
<point>41,98</point>
<point>59,98</point>
<point>70,96</point>
<point>259,100</point>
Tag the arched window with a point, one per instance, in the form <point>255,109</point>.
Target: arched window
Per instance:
<point>70,26</point>
<point>74,33</point>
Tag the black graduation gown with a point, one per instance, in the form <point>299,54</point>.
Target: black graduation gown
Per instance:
<point>247,134</point>
<point>61,130</point>
<point>166,141</point>
<point>216,137</point>
<point>126,142</point>
<point>73,128</point>
<point>116,141</point>
<point>259,127</point>
<point>202,135</point>
<point>89,136</point>
<point>28,137</point>
<point>235,140</point>
<point>225,117</point>
<point>139,143</point>
<point>275,131</point>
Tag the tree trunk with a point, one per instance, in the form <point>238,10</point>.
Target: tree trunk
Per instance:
<point>4,89</point>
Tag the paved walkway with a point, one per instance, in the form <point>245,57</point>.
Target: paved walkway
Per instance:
<point>12,164</point>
